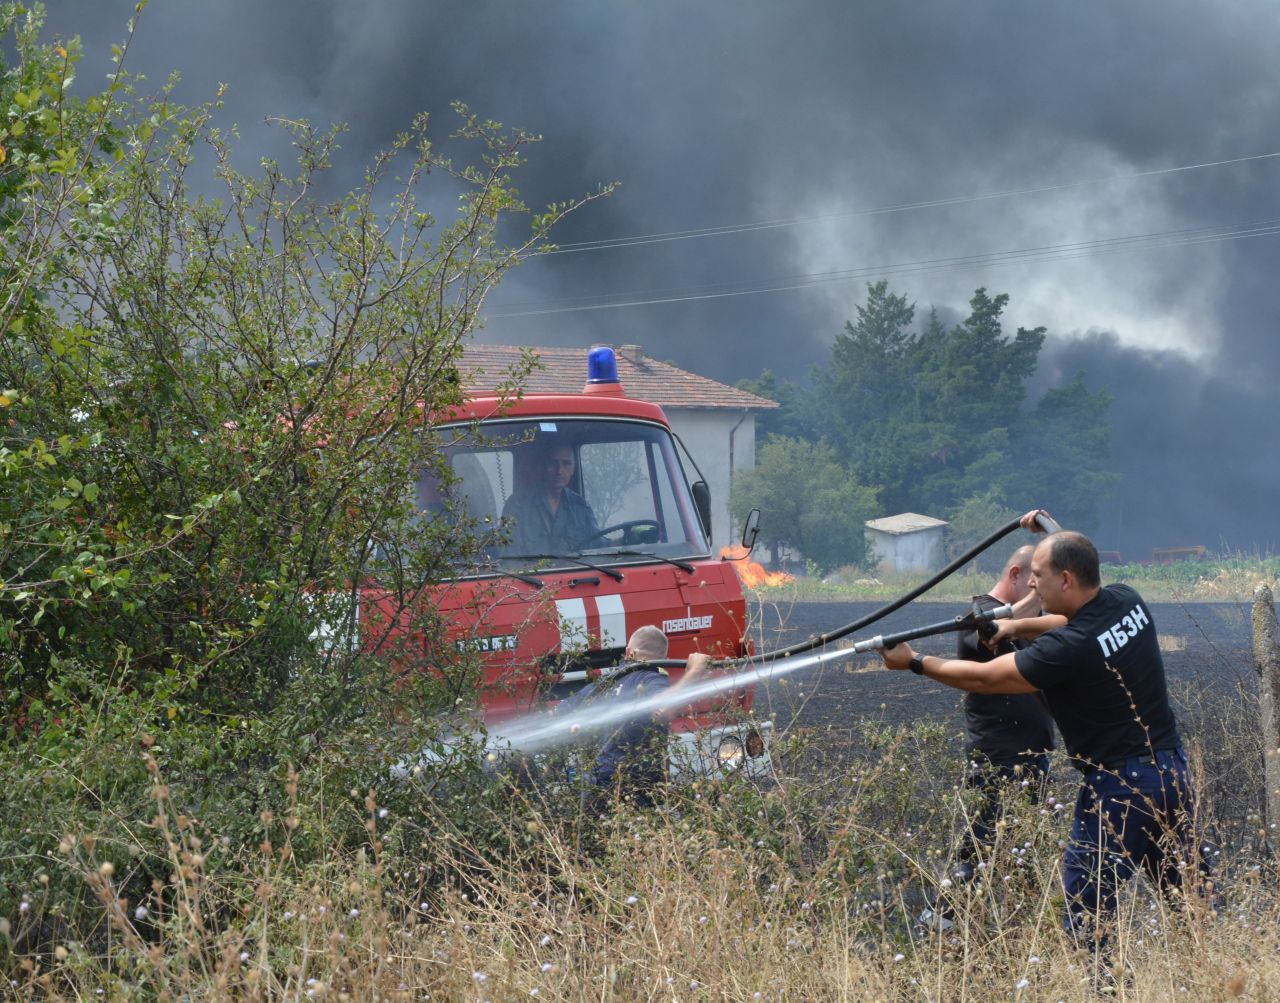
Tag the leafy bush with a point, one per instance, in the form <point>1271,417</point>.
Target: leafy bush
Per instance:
<point>806,499</point>
<point>214,412</point>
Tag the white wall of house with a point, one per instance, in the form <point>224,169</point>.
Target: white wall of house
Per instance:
<point>715,437</point>
<point>918,551</point>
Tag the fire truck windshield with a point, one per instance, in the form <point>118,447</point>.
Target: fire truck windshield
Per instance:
<point>559,492</point>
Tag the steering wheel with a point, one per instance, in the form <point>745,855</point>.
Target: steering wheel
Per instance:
<point>634,532</point>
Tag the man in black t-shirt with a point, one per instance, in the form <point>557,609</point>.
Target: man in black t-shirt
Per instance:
<point>1008,735</point>
<point>1006,730</point>
<point>1095,656</point>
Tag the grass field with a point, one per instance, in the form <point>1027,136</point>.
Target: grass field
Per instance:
<point>804,887</point>
<point>1230,579</point>
<point>795,889</point>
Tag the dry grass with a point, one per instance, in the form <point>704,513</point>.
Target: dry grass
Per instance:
<point>1228,584</point>
<point>1230,578</point>
<point>796,890</point>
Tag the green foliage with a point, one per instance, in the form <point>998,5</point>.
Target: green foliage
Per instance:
<point>1061,453</point>
<point>212,413</point>
<point>927,417</point>
<point>937,417</point>
<point>807,500</point>
<point>792,418</point>
<point>976,519</point>
<point>867,397</point>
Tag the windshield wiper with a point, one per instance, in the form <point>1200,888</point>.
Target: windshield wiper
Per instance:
<point>615,575</point>
<point>682,565</point>
<point>493,567</point>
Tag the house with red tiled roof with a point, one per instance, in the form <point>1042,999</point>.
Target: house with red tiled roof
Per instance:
<point>716,422</point>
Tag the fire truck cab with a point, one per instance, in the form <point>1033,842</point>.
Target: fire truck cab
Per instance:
<point>589,529</point>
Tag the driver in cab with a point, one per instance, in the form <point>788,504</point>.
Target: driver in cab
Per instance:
<point>549,517</point>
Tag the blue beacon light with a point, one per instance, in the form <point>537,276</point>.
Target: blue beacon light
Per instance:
<point>602,367</point>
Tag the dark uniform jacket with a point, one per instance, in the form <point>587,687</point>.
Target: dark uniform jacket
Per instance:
<point>1001,728</point>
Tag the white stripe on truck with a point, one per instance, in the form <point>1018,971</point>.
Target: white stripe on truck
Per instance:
<point>571,615</point>
<point>613,621</point>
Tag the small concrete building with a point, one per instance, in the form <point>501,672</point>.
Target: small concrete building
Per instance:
<point>716,422</point>
<point>907,542</point>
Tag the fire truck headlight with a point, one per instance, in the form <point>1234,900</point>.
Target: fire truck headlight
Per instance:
<point>730,753</point>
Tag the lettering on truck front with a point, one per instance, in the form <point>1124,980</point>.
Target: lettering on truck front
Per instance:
<point>495,642</point>
<point>1118,635</point>
<point>684,624</point>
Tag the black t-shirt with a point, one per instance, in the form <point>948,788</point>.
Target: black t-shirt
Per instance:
<point>1103,677</point>
<point>1001,727</point>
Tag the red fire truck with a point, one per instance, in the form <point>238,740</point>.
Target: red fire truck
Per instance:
<point>548,608</point>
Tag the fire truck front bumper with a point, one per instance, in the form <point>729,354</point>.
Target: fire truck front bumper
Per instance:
<point>737,749</point>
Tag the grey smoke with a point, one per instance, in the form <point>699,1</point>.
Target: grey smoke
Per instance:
<point>718,113</point>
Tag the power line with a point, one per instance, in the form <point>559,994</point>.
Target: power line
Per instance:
<point>1049,252</point>
<point>610,243</point>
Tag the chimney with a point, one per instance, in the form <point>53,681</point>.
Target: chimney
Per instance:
<point>633,354</point>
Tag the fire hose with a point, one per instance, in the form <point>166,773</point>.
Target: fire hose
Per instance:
<point>539,731</point>
<point>976,619</point>
<point>821,640</point>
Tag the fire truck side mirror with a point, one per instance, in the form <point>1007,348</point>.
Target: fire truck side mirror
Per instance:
<point>702,502</point>
<point>750,530</point>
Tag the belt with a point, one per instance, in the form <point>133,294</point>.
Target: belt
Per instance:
<point>1141,759</point>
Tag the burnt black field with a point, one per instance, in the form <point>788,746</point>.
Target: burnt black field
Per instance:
<point>1208,655</point>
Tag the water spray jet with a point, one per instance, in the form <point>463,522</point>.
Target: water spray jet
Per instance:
<point>542,731</point>
<point>539,732</point>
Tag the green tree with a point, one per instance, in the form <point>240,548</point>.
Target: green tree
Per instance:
<point>793,417</point>
<point>973,388</point>
<point>212,413</point>
<point>866,399</point>
<point>977,518</point>
<point>938,416</point>
<point>807,500</point>
<point>1060,452</point>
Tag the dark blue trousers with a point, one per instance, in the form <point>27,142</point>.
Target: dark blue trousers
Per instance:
<point>990,780</point>
<point>1138,814</point>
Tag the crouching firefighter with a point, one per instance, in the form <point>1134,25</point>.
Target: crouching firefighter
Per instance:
<point>632,761</point>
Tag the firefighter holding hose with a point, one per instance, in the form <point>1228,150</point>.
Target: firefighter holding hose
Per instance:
<point>1008,735</point>
<point>632,760</point>
<point>1095,656</point>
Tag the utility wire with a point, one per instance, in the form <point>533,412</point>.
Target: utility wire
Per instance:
<point>1049,252</point>
<point>609,243</point>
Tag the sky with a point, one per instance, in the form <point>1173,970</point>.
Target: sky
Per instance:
<point>1105,164</point>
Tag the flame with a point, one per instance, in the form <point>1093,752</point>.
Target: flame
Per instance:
<point>752,574</point>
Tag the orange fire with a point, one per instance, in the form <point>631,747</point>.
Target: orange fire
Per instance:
<point>752,574</point>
